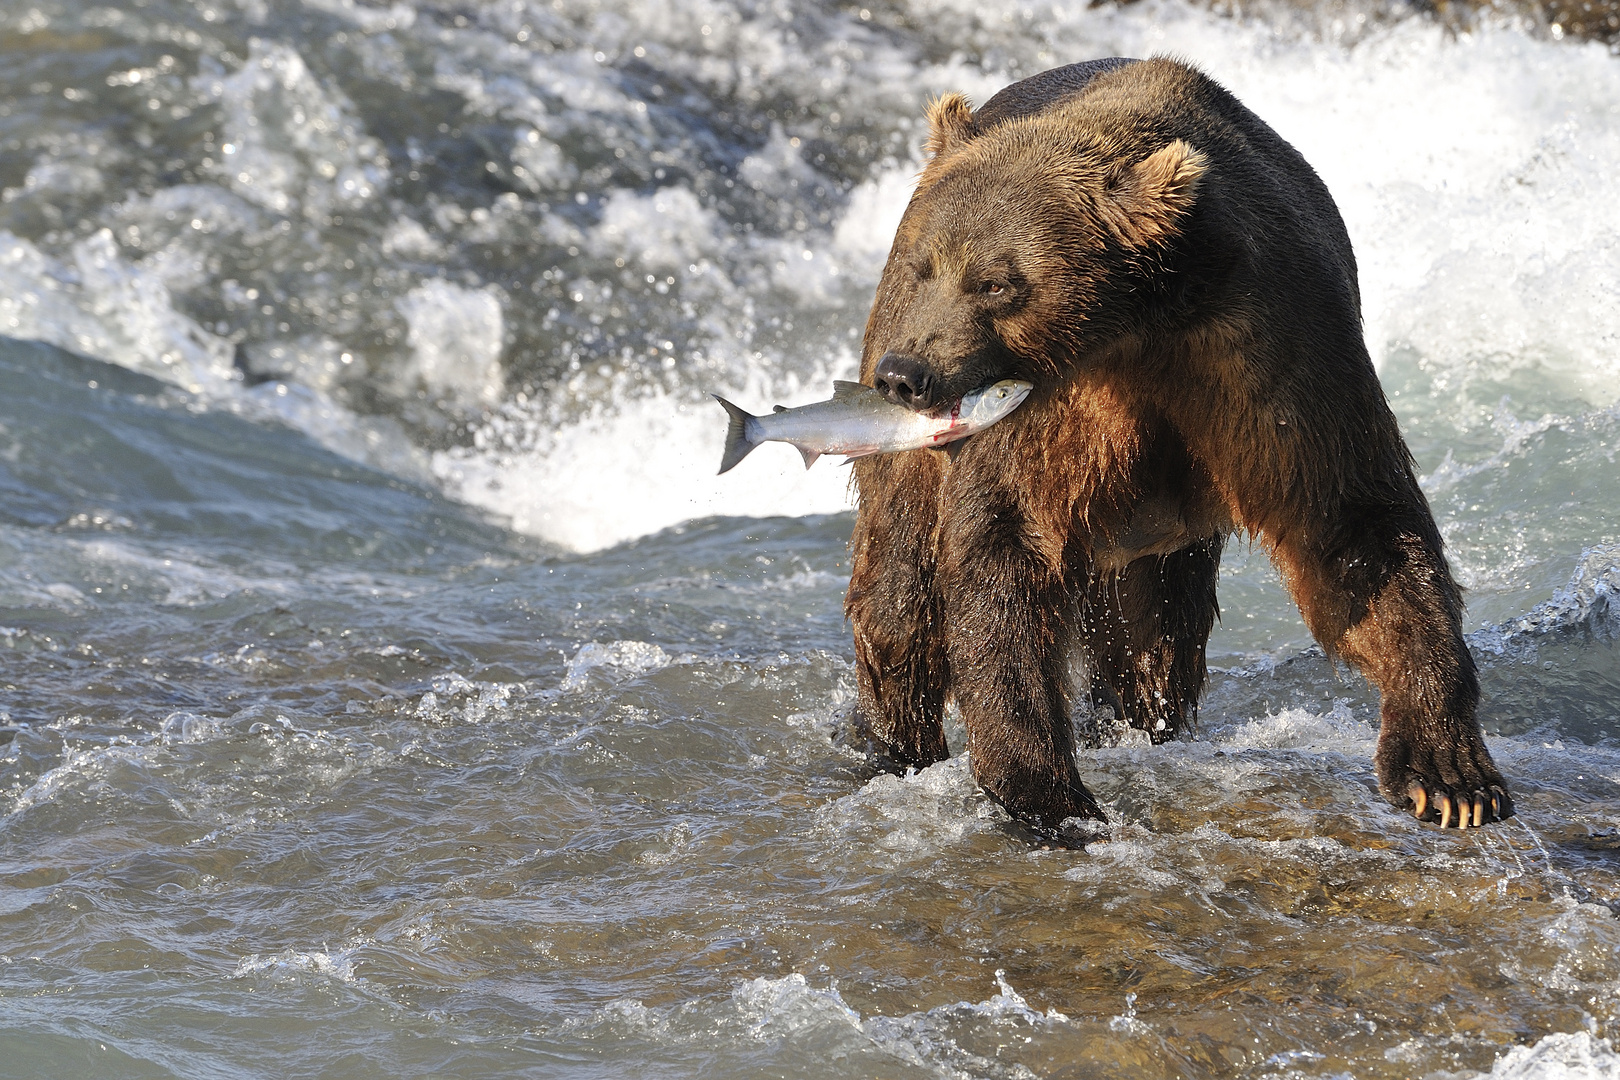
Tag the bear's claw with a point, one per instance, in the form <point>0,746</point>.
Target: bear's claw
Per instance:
<point>1461,811</point>
<point>1443,776</point>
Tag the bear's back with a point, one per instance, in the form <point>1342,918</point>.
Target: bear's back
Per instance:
<point>1040,92</point>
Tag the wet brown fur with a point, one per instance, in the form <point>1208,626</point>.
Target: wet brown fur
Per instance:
<point>1179,286</point>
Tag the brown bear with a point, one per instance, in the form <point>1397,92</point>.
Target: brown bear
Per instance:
<point>1177,283</point>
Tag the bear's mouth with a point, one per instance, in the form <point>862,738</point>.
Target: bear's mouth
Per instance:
<point>952,413</point>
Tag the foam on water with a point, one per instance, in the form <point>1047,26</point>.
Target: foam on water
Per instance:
<point>299,761</point>
<point>98,304</point>
<point>293,145</point>
<point>102,306</point>
<point>818,1023</point>
<point>912,817</point>
<point>633,468</point>
<point>1590,601</point>
<point>80,766</point>
<point>629,657</point>
<point>292,964</point>
<point>455,338</point>
<point>1576,1056</point>
<point>815,1024</point>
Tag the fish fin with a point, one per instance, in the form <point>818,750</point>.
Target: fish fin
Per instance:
<point>954,447</point>
<point>778,408</point>
<point>842,389</point>
<point>737,442</point>
<point>809,456</point>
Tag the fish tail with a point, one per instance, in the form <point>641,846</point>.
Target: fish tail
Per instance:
<point>738,444</point>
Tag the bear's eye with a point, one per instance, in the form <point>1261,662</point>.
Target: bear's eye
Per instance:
<point>993,288</point>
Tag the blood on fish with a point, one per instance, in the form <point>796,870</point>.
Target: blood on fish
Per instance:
<point>956,414</point>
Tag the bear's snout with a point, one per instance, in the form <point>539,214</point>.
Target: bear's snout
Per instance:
<point>906,380</point>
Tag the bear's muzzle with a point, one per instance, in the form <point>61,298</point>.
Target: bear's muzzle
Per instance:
<point>906,380</point>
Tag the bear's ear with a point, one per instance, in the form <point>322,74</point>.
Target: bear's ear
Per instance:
<point>1145,203</point>
<point>950,124</point>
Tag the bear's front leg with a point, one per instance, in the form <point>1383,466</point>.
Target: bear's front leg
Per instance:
<point>1381,594</point>
<point>893,604</point>
<point>1009,617</point>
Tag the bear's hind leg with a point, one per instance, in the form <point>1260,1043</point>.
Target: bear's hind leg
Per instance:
<point>1144,630</point>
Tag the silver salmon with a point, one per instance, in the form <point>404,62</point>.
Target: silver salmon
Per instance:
<point>859,421</point>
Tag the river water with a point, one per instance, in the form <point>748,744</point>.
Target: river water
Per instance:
<point>389,687</point>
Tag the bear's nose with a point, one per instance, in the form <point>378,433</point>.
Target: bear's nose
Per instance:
<point>906,380</point>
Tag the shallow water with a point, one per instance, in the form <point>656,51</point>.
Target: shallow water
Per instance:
<point>389,688</point>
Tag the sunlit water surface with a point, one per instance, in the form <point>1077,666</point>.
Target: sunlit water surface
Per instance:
<point>389,688</point>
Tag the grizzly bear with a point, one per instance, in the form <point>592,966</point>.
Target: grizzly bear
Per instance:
<point>1178,285</point>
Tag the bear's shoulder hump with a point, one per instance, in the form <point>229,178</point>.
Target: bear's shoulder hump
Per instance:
<point>1038,93</point>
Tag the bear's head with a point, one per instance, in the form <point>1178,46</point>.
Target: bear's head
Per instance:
<point>1025,248</point>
